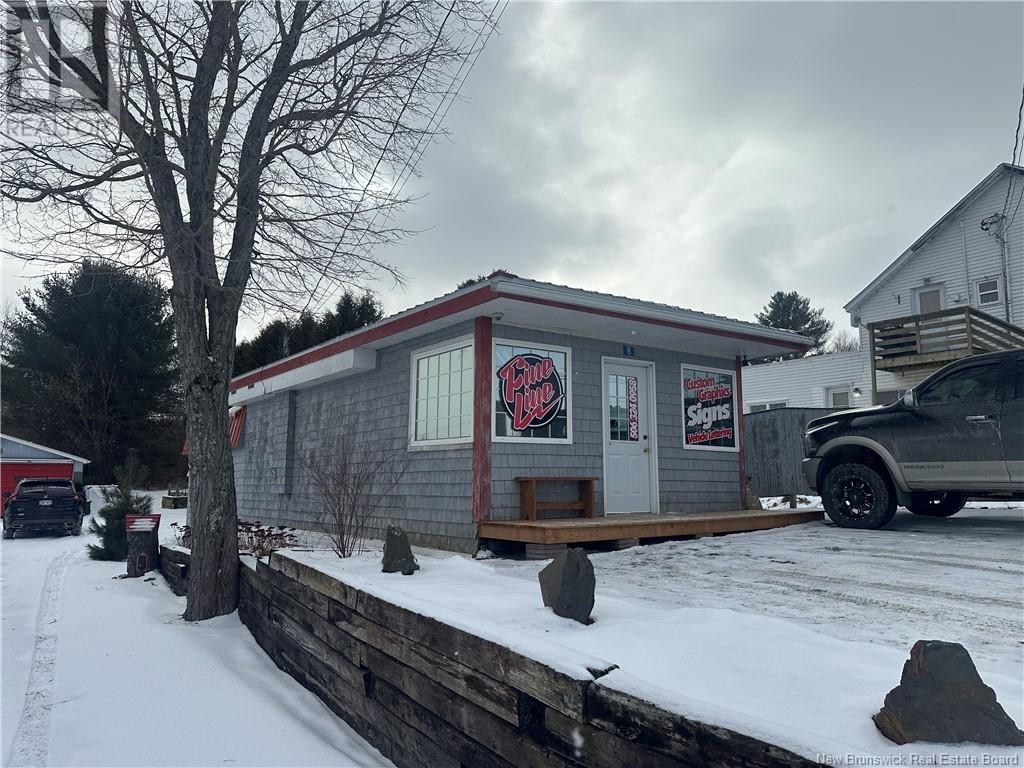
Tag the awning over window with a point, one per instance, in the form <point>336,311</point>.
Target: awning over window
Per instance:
<point>236,422</point>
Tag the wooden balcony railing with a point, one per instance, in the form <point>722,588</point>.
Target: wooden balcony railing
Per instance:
<point>935,338</point>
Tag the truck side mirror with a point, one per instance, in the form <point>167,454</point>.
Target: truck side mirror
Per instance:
<point>909,400</point>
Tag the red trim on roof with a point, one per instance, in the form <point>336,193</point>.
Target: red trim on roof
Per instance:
<point>374,333</point>
<point>475,298</point>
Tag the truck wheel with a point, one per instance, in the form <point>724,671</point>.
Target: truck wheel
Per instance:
<point>937,504</point>
<point>857,496</point>
<point>76,530</point>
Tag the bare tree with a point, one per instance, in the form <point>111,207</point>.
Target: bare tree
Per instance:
<point>241,149</point>
<point>844,341</point>
<point>356,478</point>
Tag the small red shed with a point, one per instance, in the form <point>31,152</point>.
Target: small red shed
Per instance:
<point>20,459</point>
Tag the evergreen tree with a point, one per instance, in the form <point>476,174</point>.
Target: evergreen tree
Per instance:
<point>121,501</point>
<point>89,367</point>
<point>791,311</point>
<point>281,338</point>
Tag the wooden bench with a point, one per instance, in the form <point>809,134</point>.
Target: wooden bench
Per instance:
<point>529,505</point>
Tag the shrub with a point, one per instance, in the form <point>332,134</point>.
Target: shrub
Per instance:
<point>260,540</point>
<point>121,500</point>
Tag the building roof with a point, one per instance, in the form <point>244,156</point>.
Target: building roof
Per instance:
<point>44,448</point>
<point>908,254</point>
<point>517,301</point>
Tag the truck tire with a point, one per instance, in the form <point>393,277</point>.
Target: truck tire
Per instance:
<point>856,495</point>
<point>76,530</point>
<point>8,534</point>
<point>937,504</point>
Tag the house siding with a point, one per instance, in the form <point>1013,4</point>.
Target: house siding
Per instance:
<point>941,260</point>
<point>804,382</point>
<point>433,502</point>
<point>690,481</point>
<point>284,432</point>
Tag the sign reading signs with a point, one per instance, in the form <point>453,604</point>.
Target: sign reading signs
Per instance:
<point>709,419</point>
<point>531,391</point>
<point>632,408</point>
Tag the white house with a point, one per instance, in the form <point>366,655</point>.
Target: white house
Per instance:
<point>958,290</point>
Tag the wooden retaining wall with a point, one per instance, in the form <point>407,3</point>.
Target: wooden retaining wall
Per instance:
<point>174,567</point>
<point>429,695</point>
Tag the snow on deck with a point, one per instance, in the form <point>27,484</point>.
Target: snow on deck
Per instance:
<point>793,635</point>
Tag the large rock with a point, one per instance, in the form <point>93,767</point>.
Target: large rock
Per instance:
<point>567,585</point>
<point>941,698</point>
<point>398,556</point>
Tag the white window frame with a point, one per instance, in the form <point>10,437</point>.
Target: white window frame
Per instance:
<point>415,356</point>
<point>847,388</point>
<point>999,290</point>
<point>767,405</point>
<point>735,416</point>
<point>567,351</point>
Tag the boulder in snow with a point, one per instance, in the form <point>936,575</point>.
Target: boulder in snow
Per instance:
<point>941,698</point>
<point>567,585</point>
<point>398,556</point>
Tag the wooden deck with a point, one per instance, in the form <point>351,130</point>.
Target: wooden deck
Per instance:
<point>608,528</point>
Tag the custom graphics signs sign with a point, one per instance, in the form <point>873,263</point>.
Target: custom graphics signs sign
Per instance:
<point>709,409</point>
<point>531,391</point>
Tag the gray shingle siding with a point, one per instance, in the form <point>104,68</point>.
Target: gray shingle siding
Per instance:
<point>433,502</point>
<point>691,481</point>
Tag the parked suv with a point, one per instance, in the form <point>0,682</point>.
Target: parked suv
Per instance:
<point>958,434</point>
<point>43,504</point>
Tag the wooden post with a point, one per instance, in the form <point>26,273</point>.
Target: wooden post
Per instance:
<point>482,373</point>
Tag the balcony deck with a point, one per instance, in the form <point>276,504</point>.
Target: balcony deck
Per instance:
<point>933,339</point>
<point>580,530</point>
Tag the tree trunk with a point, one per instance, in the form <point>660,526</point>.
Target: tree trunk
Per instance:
<point>213,571</point>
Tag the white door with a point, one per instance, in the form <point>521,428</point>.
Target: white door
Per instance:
<point>628,447</point>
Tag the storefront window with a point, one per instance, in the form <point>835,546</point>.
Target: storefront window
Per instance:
<point>531,392</point>
<point>709,409</point>
<point>443,394</point>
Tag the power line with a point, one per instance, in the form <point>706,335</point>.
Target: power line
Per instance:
<point>1014,160</point>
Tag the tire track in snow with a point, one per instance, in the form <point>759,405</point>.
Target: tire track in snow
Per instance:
<point>31,744</point>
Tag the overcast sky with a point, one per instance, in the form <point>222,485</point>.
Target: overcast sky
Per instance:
<point>707,155</point>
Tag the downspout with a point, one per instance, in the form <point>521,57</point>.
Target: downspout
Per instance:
<point>967,269</point>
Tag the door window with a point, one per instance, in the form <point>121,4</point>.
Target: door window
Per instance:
<point>978,383</point>
<point>623,408</point>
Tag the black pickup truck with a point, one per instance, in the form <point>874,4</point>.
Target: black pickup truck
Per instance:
<point>957,434</point>
<point>43,504</point>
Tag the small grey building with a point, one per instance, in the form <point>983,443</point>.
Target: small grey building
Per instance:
<point>507,378</point>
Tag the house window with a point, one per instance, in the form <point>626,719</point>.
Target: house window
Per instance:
<point>532,398</point>
<point>988,291</point>
<point>839,398</point>
<point>443,394</point>
<point>757,407</point>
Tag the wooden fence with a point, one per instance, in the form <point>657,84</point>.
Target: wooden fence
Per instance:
<point>774,445</point>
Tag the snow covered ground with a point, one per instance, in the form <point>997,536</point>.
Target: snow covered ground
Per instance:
<point>100,671</point>
<point>794,635</point>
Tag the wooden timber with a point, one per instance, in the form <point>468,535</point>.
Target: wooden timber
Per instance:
<point>630,526</point>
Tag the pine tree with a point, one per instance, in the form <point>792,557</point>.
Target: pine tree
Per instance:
<point>90,368</point>
<point>793,312</point>
<point>121,501</point>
